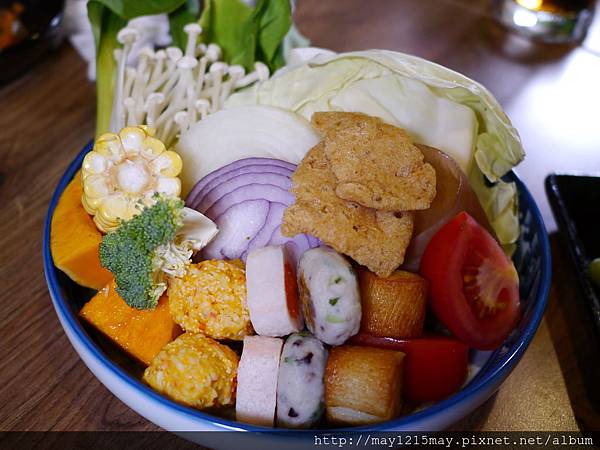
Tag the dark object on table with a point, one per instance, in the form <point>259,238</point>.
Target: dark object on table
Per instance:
<point>27,29</point>
<point>575,203</point>
<point>555,21</point>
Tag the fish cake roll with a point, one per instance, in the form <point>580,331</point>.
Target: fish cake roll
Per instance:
<point>272,294</point>
<point>300,385</point>
<point>329,295</point>
<point>257,373</point>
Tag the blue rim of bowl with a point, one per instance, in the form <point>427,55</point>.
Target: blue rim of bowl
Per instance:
<point>476,386</point>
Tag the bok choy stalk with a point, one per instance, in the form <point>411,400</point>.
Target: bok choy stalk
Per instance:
<point>437,106</point>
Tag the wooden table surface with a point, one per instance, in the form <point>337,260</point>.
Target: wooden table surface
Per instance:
<point>550,93</point>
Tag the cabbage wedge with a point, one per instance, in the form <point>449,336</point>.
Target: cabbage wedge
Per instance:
<point>437,107</point>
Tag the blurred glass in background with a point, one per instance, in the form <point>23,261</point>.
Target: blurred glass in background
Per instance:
<point>28,28</point>
<point>558,21</point>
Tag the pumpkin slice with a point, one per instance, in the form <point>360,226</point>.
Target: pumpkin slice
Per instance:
<point>74,240</point>
<point>141,333</point>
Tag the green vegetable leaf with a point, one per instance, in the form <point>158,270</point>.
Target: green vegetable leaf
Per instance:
<point>333,301</point>
<point>95,12</point>
<point>130,9</point>
<point>224,22</point>
<point>275,20</point>
<point>186,13</point>
<point>248,35</point>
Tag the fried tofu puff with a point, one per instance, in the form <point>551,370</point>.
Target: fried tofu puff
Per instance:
<point>376,164</point>
<point>196,371</point>
<point>375,239</point>
<point>211,299</point>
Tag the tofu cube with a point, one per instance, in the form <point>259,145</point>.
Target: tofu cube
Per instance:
<point>363,385</point>
<point>393,306</point>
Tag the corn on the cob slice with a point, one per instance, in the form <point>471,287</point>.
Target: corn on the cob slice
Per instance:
<point>125,169</point>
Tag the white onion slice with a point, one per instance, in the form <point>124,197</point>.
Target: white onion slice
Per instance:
<point>237,133</point>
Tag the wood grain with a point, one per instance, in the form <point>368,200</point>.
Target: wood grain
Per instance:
<point>48,115</point>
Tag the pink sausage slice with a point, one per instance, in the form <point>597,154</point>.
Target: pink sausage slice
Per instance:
<point>256,395</point>
<point>272,292</point>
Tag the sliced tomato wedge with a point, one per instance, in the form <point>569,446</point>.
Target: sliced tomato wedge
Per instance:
<point>434,366</point>
<point>474,287</point>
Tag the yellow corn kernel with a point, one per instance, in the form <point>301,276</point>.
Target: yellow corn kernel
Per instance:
<point>168,164</point>
<point>94,163</point>
<point>168,186</point>
<point>96,186</point>
<point>132,139</point>
<point>151,148</point>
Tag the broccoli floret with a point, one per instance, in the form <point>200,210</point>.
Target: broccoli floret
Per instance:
<point>142,250</point>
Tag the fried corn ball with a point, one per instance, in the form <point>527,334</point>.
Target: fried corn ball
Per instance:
<point>211,299</point>
<point>195,370</point>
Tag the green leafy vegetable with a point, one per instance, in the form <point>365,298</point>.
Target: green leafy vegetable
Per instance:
<point>248,35</point>
<point>135,252</point>
<point>437,106</point>
<point>333,301</point>
<point>130,9</point>
<point>274,19</point>
<point>222,22</point>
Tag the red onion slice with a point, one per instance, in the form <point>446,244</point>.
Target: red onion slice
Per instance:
<point>263,237</point>
<point>247,199</point>
<point>234,234</point>
<point>268,192</point>
<point>236,165</point>
<point>253,168</point>
<point>296,245</point>
<point>207,198</point>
